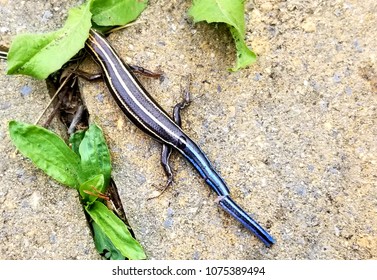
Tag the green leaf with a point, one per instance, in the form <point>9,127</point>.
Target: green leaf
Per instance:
<point>116,12</point>
<point>230,12</point>
<point>227,11</point>
<point>116,231</point>
<point>39,55</point>
<point>245,56</point>
<point>104,245</point>
<point>47,151</point>
<point>95,156</point>
<point>95,186</point>
<point>75,140</point>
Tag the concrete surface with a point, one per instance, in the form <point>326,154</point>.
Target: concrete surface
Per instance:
<point>39,219</point>
<point>293,135</point>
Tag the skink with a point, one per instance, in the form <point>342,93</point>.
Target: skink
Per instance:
<point>145,113</point>
<point>3,55</point>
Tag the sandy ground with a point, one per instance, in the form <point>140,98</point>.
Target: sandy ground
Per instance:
<point>293,135</point>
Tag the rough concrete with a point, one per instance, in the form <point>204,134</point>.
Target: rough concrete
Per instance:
<point>293,135</point>
<point>39,219</point>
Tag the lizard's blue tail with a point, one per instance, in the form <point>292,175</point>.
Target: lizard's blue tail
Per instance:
<point>233,209</point>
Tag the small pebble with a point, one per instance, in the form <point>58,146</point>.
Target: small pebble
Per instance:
<point>25,90</point>
<point>309,26</point>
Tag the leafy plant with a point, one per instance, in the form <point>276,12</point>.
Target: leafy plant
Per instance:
<point>88,171</point>
<point>104,245</point>
<point>87,166</point>
<point>39,55</point>
<point>47,151</point>
<point>116,12</point>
